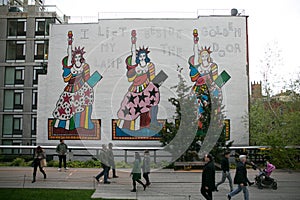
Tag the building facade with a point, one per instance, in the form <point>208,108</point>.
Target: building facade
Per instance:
<point>113,98</point>
<point>24,41</point>
<point>30,91</point>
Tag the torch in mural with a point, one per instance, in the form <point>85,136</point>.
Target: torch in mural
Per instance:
<point>207,83</point>
<point>139,108</point>
<point>74,107</point>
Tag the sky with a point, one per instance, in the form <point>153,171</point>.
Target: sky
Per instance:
<point>272,24</point>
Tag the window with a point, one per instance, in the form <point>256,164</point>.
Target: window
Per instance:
<point>7,142</point>
<point>13,99</point>
<point>17,125</point>
<point>41,50</point>
<point>11,142</point>
<point>7,125</point>
<point>14,75</point>
<point>33,125</point>
<point>15,50</point>
<point>16,27</point>
<point>18,100</point>
<point>39,70</point>
<point>12,125</point>
<point>42,26</point>
<point>34,99</point>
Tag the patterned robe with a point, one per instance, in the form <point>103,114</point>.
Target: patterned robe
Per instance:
<point>141,97</point>
<point>74,106</point>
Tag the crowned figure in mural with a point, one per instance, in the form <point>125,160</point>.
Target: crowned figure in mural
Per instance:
<point>204,72</point>
<point>74,106</point>
<point>139,107</point>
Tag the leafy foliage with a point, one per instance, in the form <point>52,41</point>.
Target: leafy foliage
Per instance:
<point>18,162</point>
<point>276,124</point>
<point>171,128</point>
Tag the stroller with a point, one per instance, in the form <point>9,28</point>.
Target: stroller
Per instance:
<point>263,179</point>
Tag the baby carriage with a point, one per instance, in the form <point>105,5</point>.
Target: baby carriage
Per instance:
<point>263,179</point>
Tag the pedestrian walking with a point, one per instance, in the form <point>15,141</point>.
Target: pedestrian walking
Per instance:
<point>146,167</point>
<point>136,172</point>
<point>111,160</point>
<point>39,161</point>
<point>240,179</point>
<point>208,177</point>
<point>104,164</point>
<point>225,171</point>
<point>62,150</point>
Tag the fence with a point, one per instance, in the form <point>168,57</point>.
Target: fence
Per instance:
<point>254,152</point>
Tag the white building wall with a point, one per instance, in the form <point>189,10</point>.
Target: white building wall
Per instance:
<point>170,41</point>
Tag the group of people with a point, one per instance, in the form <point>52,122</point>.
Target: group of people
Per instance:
<point>138,166</point>
<point>107,161</point>
<point>143,167</point>
<point>241,179</point>
<point>39,159</point>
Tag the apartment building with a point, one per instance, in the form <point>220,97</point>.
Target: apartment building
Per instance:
<point>24,39</point>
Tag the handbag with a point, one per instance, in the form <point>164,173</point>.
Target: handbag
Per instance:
<point>43,162</point>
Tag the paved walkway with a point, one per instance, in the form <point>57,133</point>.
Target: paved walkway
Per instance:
<point>166,184</point>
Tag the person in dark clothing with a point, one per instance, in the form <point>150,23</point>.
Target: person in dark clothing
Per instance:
<point>208,177</point>
<point>136,172</point>
<point>38,156</point>
<point>62,150</point>
<point>105,165</point>
<point>240,179</point>
<point>225,171</point>
<point>146,167</point>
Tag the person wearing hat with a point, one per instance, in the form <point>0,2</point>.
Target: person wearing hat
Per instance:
<point>208,177</point>
<point>240,179</point>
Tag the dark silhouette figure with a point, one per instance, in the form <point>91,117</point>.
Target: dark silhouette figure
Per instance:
<point>208,177</point>
<point>39,155</point>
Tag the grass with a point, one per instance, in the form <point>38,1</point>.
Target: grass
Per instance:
<point>45,194</point>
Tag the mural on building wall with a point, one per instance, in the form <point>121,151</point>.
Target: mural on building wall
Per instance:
<point>207,84</point>
<point>137,115</point>
<point>72,114</point>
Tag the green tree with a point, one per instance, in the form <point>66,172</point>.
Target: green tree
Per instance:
<point>275,123</point>
<point>171,128</point>
<point>274,120</point>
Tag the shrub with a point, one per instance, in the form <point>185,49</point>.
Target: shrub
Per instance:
<point>11,158</point>
<point>76,164</point>
<point>52,163</point>
<point>18,162</point>
<point>92,163</point>
<point>123,164</point>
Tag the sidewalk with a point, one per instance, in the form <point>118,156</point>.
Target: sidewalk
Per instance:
<point>166,184</point>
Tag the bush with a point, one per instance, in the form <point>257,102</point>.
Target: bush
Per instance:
<point>18,162</point>
<point>52,163</point>
<point>123,164</point>
<point>92,164</point>
<point>11,158</point>
<point>75,164</point>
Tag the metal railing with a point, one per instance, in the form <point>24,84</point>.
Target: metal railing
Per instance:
<point>76,151</point>
<point>254,152</point>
